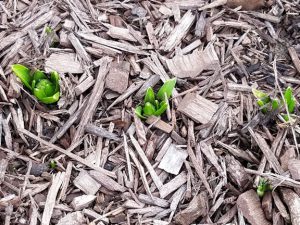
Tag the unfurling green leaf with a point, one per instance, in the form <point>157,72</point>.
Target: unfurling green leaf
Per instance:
<point>149,109</point>
<point>289,99</point>
<point>275,104</point>
<point>163,107</point>
<point>139,112</point>
<point>44,89</point>
<point>262,187</point>
<point>23,73</point>
<point>149,96</point>
<point>259,94</point>
<point>167,88</point>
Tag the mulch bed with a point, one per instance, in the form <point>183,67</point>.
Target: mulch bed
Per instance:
<point>200,163</point>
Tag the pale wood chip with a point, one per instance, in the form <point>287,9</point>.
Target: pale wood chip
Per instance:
<point>173,185</point>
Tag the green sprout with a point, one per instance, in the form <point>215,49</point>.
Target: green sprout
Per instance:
<point>44,89</point>
<point>263,186</point>
<point>52,165</point>
<point>48,30</point>
<point>267,104</point>
<point>156,105</point>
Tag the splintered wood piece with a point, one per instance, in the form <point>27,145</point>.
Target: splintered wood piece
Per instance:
<point>146,162</point>
<point>63,63</point>
<point>211,156</point>
<point>153,201</point>
<point>120,33</point>
<point>237,172</point>
<point>94,99</point>
<point>250,206</point>
<point>51,197</point>
<point>294,168</point>
<point>101,132</point>
<point>193,64</point>
<point>173,185</point>
<point>214,4</point>
<point>107,182</point>
<point>292,200</point>
<point>79,48</point>
<point>179,32</point>
<point>86,183</point>
<point>270,156</point>
<point>173,159</point>
<point>227,217</point>
<point>159,124</point>
<point>196,208</point>
<point>280,206</point>
<point>267,205</point>
<point>113,44</point>
<point>246,4</point>
<point>84,85</point>
<point>186,4</point>
<point>64,187</point>
<point>295,58</point>
<point>140,129</point>
<point>75,218</point>
<point>3,166</point>
<point>82,201</point>
<point>117,78</point>
<point>197,108</point>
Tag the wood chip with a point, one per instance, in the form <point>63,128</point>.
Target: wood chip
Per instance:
<point>63,63</point>
<point>86,183</point>
<point>117,78</point>
<point>197,108</point>
<point>173,159</point>
<point>250,206</point>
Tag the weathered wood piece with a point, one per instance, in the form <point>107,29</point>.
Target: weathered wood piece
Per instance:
<point>173,185</point>
<point>63,63</point>
<point>295,58</point>
<point>51,198</point>
<point>159,124</point>
<point>193,64</point>
<point>197,108</point>
<point>101,132</point>
<point>173,160</point>
<point>179,32</point>
<point>107,182</point>
<point>117,77</point>
<point>196,208</point>
<point>75,218</point>
<point>294,168</point>
<point>95,97</point>
<point>86,183</point>
<point>82,201</point>
<point>292,200</point>
<point>3,166</point>
<point>250,206</point>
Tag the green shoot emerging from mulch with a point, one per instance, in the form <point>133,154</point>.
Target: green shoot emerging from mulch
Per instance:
<point>263,186</point>
<point>156,104</point>
<point>44,89</point>
<point>268,104</point>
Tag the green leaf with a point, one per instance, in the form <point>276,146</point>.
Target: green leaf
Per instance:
<point>138,111</point>
<point>37,76</point>
<point>156,104</point>
<point>262,187</point>
<point>289,99</point>
<point>149,109</point>
<point>149,96</point>
<point>163,107</point>
<point>54,77</point>
<point>167,88</point>
<point>46,86</point>
<point>275,104</point>
<point>259,94</point>
<point>23,73</point>
<point>51,99</point>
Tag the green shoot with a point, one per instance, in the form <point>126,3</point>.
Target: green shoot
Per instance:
<point>52,165</point>
<point>267,104</point>
<point>48,30</point>
<point>263,186</point>
<point>156,105</point>
<point>44,89</point>
<point>167,88</point>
